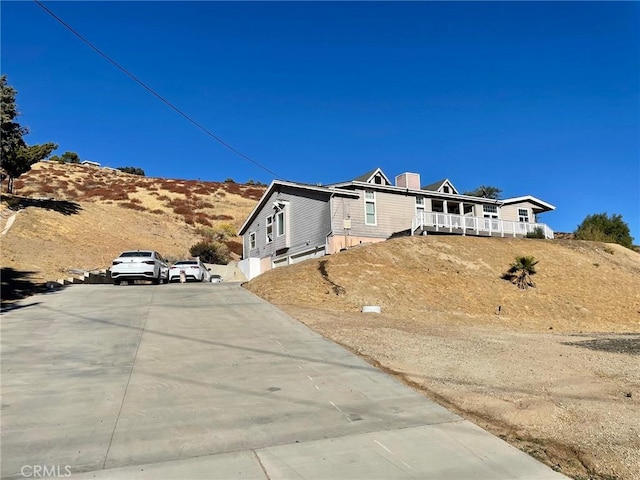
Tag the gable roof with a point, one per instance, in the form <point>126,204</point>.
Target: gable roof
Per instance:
<point>366,178</point>
<point>544,206</point>
<point>300,186</point>
<point>437,186</point>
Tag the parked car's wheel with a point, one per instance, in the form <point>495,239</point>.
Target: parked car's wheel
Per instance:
<point>158,279</point>
<point>116,282</point>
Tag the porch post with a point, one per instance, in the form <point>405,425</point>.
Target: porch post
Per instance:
<point>447,216</point>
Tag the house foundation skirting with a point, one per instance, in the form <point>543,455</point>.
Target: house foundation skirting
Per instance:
<point>335,243</point>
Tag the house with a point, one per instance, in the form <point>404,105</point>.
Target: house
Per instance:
<point>295,221</point>
<point>89,163</point>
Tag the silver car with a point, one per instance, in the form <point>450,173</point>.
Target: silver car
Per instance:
<point>140,265</point>
<point>191,269</point>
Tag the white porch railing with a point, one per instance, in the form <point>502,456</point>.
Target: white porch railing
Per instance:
<point>452,223</point>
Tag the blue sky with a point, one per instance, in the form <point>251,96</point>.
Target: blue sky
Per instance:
<point>537,98</point>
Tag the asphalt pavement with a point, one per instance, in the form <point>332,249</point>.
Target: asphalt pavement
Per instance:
<point>208,381</point>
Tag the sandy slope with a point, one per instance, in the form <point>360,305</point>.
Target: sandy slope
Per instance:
<point>50,243</point>
<point>556,373</point>
<point>96,213</point>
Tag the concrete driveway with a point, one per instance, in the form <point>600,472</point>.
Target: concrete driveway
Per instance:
<point>209,381</point>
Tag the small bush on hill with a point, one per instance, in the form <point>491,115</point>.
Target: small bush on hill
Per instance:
<point>253,193</point>
<point>66,157</point>
<point>217,234</point>
<point>211,252</point>
<point>537,232</point>
<point>133,206</point>
<point>521,271</point>
<point>234,246</point>
<point>601,227</point>
<point>132,170</point>
<point>202,219</point>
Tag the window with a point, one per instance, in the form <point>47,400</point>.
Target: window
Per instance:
<point>369,207</point>
<point>252,241</point>
<point>419,204</point>
<point>523,215</point>
<point>490,211</point>
<point>445,189</point>
<point>280,222</point>
<point>270,229</point>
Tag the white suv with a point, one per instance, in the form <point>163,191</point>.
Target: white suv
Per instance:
<point>140,265</point>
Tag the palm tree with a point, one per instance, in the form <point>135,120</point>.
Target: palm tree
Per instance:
<point>521,271</point>
<point>485,191</point>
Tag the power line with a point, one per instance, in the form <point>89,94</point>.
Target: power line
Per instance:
<point>152,91</point>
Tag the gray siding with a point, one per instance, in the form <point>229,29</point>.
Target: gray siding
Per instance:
<point>394,213</point>
<point>308,223</point>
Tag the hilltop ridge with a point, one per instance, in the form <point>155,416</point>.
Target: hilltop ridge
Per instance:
<point>87,215</point>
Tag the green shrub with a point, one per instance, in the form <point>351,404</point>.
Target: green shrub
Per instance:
<point>132,170</point>
<point>601,227</point>
<point>537,232</point>
<point>217,234</point>
<point>211,252</point>
<point>521,270</point>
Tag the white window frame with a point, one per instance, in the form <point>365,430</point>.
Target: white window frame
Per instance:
<point>252,241</point>
<point>269,229</point>
<point>370,201</point>
<point>420,204</point>
<point>523,215</point>
<point>280,223</point>
<point>490,211</point>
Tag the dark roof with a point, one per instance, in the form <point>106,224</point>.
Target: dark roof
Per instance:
<point>434,186</point>
<point>282,183</point>
<point>365,177</point>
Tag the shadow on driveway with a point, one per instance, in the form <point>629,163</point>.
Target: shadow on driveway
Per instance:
<point>17,285</point>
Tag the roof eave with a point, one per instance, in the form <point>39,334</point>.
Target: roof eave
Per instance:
<point>547,207</point>
<point>328,190</point>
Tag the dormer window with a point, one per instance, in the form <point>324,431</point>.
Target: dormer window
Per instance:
<point>445,189</point>
<point>375,177</point>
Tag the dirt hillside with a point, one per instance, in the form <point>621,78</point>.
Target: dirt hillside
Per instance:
<point>580,286</point>
<point>81,217</point>
<point>554,370</point>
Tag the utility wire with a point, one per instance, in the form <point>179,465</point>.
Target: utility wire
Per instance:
<point>153,92</point>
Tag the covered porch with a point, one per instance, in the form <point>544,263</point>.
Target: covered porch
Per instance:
<point>439,222</point>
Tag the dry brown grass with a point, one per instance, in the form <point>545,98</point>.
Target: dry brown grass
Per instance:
<point>555,371</point>
<point>189,201</point>
<point>579,285</point>
<point>119,211</point>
